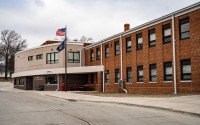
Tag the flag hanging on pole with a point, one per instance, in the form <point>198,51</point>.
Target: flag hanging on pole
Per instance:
<point>61,46</point>
<point>61,32</point>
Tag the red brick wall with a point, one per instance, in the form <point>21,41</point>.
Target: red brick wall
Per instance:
<point>185,49</point>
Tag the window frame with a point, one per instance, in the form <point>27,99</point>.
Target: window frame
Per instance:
<point>151,67</point>
<point>167,65</point>
<point>39,56</point>
<point>150,32</point>
<point>140,78</point>
<point>182,22</point>
<point>107,76</point>
<point>30,58</point>
<point>117,73</point>
<point>117,51</point>
<point>128,78</point>
<point>186,62</point>
<point>98,55</point>
<point>21,81</point>
<point>166,39</point>
<point>92,55</point>
<point>73,60</point>
<point>139,46</point>
<point>128,48</point>
<point>54,82</point>
<point>106,48</point>
<point>52,61</point>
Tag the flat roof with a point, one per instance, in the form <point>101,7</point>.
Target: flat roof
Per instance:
<point>54,44</point>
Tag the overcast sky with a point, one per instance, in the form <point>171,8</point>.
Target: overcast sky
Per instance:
<point>38,20</point>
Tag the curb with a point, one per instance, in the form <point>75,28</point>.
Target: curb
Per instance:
<point>129,104</point>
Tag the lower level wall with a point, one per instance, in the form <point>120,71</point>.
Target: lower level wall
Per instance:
<point>94,81</point>
<point>156,88</point>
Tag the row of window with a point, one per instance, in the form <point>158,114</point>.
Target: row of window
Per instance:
<point>51,58</point>
<point>166,31</point>
<point>185,72</point>
<point>39,56</point>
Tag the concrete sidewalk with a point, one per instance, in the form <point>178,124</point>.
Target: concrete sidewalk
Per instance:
<point>185,104</point>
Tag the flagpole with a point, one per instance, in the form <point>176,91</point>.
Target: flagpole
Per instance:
<point>65,58</point>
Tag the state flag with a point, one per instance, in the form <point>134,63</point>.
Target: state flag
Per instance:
<point>61,46</point>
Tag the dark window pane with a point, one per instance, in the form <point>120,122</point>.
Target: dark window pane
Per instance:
<point>185,69</point>
<point>153,72</point>
<point>140,73</point>
<point>184,28</point>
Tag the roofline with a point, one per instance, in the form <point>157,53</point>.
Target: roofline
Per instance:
<point>177,13</point>
<point>54,44</point>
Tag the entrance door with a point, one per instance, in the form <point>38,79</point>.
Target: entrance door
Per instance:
<point>29,83</point>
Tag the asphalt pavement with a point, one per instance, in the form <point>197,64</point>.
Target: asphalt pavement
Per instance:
<point>28,108</point>
<point>189,104</point>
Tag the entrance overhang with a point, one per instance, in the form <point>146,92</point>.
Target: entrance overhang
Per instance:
<point>70,70</point>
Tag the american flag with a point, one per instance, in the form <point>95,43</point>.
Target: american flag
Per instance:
<point>61,32</point>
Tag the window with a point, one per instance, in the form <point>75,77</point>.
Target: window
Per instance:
<point>40,56</point>
<point>128,44</point>
<point>107,50</point>
<point>152,38</point>
<point>107,77</point>
<point>73,57</point>
<point>117,76</point>
<point>184,28</point>
<point>91,55</point>
<point>167,33</point>
<point>98,53</point>
<point>116,47</point>
<point>140,73</point>
<point>30,58</point>
<point>185,69</point>
<point>129,74</point>
<point>153,73</point>
<point>168,71</point>
<point>52,58</point>
<point>51,80</point>
<point>139,41</point>
<point>21,81</point>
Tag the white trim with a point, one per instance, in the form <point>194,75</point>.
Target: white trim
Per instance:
<point>139,82</point>
<point>167,81</point>
<point>103,80</point>
<point>21,85</point>
<point>70,70</point>
<point>174,53</point>
<point>177,13</point>
<point>186,81</point>
<point>153,82</point>
<point>116,83</point>
<point>43,46</point>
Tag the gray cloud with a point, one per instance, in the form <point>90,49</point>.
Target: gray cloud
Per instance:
<point>37,20</point>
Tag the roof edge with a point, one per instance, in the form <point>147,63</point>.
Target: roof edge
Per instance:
<point>150,23</point>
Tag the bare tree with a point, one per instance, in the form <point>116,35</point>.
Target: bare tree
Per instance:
<point>11,43</point>
<point>86,39</point>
